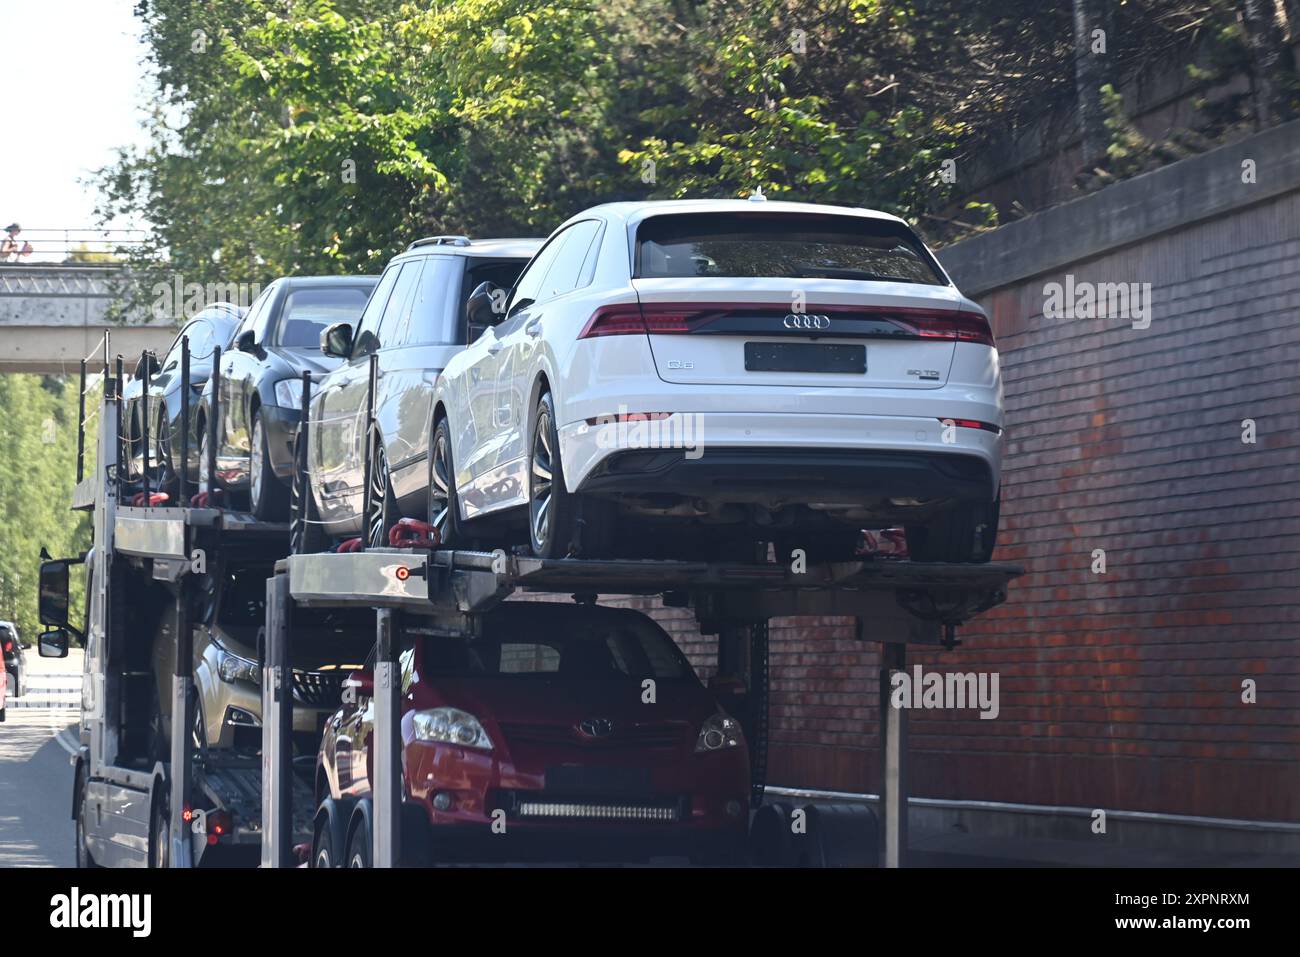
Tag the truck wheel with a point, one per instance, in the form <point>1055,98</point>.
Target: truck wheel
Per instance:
<point>84,858</point>
<point>322,848</point>
<point>359,846</point>
<point>965,533</point>
<point>160,830</point>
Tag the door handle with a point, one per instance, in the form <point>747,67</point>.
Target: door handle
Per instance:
<point>534,328</point>
<point>496,347</point>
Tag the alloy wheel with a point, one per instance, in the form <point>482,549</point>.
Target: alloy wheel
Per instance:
<point>440,489</point>
<point>256,465</point>
<point>377,520</point>
<point>540,483</point>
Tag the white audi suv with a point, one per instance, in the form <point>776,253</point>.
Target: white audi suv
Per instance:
<point>698,378</point>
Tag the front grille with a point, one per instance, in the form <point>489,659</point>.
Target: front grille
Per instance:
<point>643,812</point>
<point>318,689</point>
<point>648,735</point>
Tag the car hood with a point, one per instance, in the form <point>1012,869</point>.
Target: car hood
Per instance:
<point>298,361</point>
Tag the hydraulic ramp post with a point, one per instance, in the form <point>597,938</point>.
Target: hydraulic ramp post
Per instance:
<point>182,767</point>
<point>387,739</point>
<point>277,729</point>
<point>893,760</point>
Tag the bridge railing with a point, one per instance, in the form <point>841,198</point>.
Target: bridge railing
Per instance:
<point>88,246</point>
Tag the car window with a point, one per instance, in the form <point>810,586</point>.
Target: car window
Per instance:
<point>781,245</point>
<point>262,321</point>
<point>308,312</point>
<point>503,273</point>
<point>530,283</point>
<point>596,649</point>
<point>365,339</point>
<point>563,275</point>
<point>202,338</point>
<point>399,303</point>
<point>254,312</point>
<point>431,320</point>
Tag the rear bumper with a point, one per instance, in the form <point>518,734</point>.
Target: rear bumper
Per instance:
<point>794,475</point>
<point>790,458</point>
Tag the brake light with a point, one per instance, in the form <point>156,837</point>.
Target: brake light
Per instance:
<point>9,645</point>
<point>623,319</point>
<point>953,326</point>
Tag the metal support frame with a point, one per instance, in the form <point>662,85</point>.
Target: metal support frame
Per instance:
<point>183,703</point>
<point>756,735</point>
<point>893,760</point>
<point>81,425</point>
<point>144,423</point>
<point>298,518</point>
<point>277,728</point>
<point>183,474</point>
<point>214,415</point>
<point>367,493</point>
<point>387,787</point>
<point>118,474</point>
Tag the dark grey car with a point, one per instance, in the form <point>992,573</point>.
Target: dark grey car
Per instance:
<point>261,384</point>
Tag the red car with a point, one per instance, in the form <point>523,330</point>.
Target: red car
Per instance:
<point>563,732</point>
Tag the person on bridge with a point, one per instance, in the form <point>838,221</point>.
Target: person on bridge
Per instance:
<point>9,246</point>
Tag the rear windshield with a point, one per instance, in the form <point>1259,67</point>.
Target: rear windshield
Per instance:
<point>605,649</point>
<point>308,312</point>
<point>781,246</point>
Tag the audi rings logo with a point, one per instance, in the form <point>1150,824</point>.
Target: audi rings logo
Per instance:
<point>799,320</point>
<point>597,727</point>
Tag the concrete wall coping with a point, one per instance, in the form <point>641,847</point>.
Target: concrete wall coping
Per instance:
<point>1197,188</point>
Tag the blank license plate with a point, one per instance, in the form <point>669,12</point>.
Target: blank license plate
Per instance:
<point>804,357</point>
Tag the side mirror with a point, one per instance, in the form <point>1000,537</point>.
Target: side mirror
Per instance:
<point>53,644</point>
<point>486,305</point>
<point>247,341</point>
<point>336,340</point>
<point>147,367</point>
<point>54,593</point>
<point>362,684</point>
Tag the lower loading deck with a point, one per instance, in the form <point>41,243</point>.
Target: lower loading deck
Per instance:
<point>893,602</point>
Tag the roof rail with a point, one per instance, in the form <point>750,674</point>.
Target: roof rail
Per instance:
<point>448,240</point>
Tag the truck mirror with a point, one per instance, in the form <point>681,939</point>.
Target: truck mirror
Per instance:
<point>54,593</point>
<point>53,644</point>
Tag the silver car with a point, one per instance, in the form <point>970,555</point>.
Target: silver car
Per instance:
<point>228,644</point>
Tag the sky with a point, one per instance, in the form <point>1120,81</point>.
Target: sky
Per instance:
<point>74,90</point>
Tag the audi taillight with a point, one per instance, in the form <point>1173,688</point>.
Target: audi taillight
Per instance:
<point>951,326</point>
<point>629,319</point>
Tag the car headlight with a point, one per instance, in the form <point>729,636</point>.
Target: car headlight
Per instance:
<point>451,726</point>
<point>288,393</point>
<point>720,733</point>
<point>233,668</point>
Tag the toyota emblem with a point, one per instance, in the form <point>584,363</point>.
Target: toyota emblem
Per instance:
<point>597,727</point>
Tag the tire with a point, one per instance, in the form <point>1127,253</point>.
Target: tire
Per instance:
<point>966,533</point>
<point>444,506</point>
<point>383,507</point>
<point>160,827</point>
<point>553,513</point>
<point>306,536</point>
<point>323,854</point>
<point>268,499</point>
<point>84,858</point>
<point>359,846</point>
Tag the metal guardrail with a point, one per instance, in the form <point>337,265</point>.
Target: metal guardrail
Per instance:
<point>72,246</point>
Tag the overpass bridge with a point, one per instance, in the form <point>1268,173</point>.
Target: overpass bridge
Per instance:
<point>53,314</point>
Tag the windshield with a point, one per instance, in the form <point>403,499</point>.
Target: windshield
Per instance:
<point>309,312</point>
<point>782,246</point>
<point>608,648</point>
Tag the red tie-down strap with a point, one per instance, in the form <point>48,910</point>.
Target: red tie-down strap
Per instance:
<point>206,499</point>
<point>413,533</point>
<point>349,545</point>
<point>155,498</point>
<point>887,543</point>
